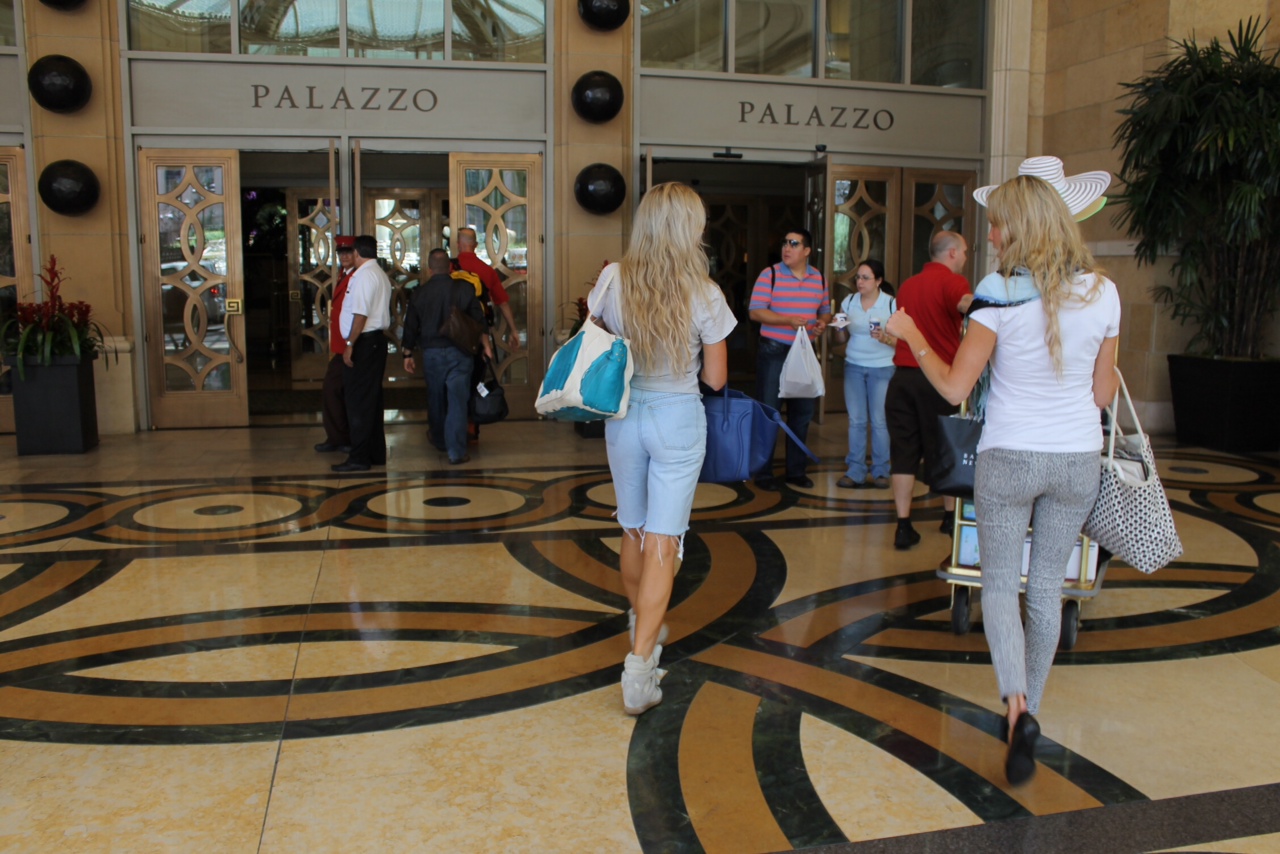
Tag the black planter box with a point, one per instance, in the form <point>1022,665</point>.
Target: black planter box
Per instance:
<point>54,411</point>
<point>1226,404</point>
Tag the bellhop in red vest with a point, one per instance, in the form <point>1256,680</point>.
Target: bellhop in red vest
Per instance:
<point>337,436</point>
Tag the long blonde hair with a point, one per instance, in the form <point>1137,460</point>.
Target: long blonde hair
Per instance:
<point>1040,236</point>
<point>664,269</point>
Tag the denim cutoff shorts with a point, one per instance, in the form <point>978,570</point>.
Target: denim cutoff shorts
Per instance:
<point>655,455</point>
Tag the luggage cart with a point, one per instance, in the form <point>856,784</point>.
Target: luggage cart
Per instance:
<point>1085,573</point>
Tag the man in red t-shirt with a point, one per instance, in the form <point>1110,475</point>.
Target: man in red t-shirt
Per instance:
<point>936,298</point>
<point>337,435</point>
<point>468,260</point>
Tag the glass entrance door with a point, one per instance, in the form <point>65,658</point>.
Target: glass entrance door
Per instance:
<point>312,226</point>
<point>15,258</point>
<point>500,196</point>
<point>407,223</point>
<point>192,288</point>
<point>891,215</point>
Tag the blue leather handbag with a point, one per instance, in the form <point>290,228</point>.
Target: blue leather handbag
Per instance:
<point>741,434</point>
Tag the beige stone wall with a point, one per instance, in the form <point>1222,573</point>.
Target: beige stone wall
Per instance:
<point>1089,48</point>
<point>582,240</point>
<point>92,248</point>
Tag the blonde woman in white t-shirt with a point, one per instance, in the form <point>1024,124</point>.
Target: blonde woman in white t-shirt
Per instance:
<point>676,320</point>
<point>1047,322</point>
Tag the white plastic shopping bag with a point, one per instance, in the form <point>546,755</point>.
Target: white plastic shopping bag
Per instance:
<point>801,373</point>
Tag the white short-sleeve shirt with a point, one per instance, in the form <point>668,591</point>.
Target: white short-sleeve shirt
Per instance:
<point>369,294</point>
<point>1031,407</point>
<point>712,322</point>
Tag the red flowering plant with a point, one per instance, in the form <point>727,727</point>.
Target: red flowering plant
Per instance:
<point>55,327</point>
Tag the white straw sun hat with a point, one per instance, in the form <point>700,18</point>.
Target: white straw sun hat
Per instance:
<point>1083,193</point>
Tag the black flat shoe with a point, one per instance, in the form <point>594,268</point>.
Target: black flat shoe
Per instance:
<point>905,537</point>
<point>326,448</point>
<point>346,467</point>
<point>1020,764</point>
<point>768,484</point>
<point>802,481</point>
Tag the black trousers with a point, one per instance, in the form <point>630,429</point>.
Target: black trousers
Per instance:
<point>336,429</point>
<point>362,392</point>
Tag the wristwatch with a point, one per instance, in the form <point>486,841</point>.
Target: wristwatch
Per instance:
<point>348,342</point>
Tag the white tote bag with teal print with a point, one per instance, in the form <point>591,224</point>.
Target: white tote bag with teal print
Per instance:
<point>589,378</point>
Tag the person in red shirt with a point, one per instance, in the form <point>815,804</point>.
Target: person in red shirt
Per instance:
<point>468,260</point>
<point>493,292</point>
<point>337,435</point>
<point>937,297</point>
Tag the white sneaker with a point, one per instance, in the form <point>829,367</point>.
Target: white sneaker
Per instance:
<point>640,677</point>
<point>631,627</point>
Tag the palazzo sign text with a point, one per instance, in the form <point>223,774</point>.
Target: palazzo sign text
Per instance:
<point>834,116</point>
<point>368,98</point>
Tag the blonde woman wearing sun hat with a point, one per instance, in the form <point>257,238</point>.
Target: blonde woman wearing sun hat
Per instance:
<point>1047,322</point>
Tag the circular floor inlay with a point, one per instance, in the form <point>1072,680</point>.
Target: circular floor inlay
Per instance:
<point>1188,470</point>
<point>29,515</point>
<point>232,509</point>
<point>218,510</point>
<point>446,501</point>
<point>434,503</point>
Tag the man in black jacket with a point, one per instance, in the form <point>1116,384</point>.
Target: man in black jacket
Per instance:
<point>446,368</point>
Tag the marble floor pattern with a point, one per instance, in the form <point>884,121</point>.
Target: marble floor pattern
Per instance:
<point>210,643</point>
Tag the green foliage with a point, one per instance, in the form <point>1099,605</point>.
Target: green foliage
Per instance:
<point>1201,178</point>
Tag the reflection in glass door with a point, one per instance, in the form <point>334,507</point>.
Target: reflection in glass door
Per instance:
<point>312,226</point>
<point>15,257</point>
<point>500,197</point>
<point>407,224</point>
<point>938,201</point>
<point>192,288</point>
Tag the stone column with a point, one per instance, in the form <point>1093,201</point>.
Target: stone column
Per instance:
<point>583,240</point>
<point>91,248</point>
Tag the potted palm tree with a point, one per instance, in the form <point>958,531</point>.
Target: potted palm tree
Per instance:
<point>51,346</point>
<point>1200,177</point>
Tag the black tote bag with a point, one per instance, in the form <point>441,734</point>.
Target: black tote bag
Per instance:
<point>953,461</point>
<point>489,406</point>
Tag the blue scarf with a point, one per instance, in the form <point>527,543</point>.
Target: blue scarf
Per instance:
<point>997,290</point>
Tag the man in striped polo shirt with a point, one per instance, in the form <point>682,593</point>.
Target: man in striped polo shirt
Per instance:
<point>787,297</point>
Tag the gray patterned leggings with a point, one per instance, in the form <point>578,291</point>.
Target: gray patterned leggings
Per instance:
<point>1008,485</point>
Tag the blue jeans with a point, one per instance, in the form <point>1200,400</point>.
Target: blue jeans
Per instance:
<point>655,456</point>
<point>770,355</point>
<point>447,371</point>
<point>864,394</point>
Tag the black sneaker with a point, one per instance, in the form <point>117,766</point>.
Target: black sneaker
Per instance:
<point>801,480</point>
<point>905,537</point>
<point>948,525</point>
<point>768,484</point>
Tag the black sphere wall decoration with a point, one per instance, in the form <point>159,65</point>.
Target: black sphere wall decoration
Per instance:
<point>68,187</point>
<point>59,83</point>
<point>600,188</point>
<point>63,5</point>
<point>604,14</point>
<point>597,96</point>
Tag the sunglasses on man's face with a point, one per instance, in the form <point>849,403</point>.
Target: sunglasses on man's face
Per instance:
<point>794,244</point>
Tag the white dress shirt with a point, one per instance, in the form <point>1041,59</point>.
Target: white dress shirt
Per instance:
<point>369,294</point>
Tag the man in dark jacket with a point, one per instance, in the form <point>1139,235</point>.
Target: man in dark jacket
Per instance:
<point>446,368</point>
